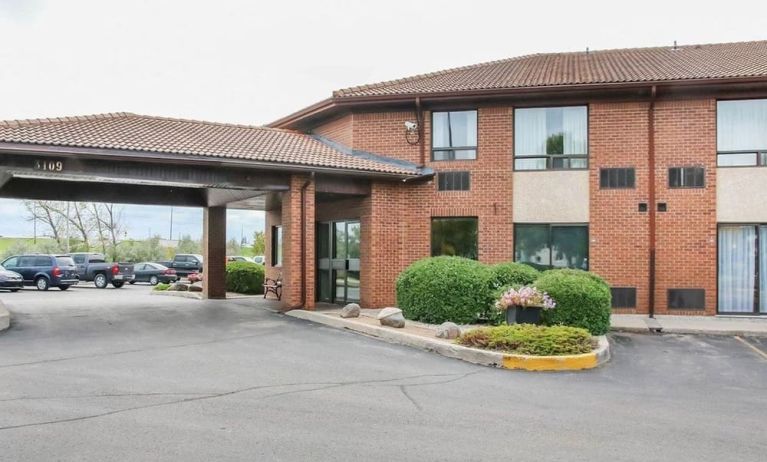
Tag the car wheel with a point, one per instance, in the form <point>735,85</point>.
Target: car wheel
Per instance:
<point>100,280</point>
<point>118,284</point>
<point>41,283</point>
<point>63,287</point>
<point>153,280</point>
<point>131,282</point>
<point>15,290</point>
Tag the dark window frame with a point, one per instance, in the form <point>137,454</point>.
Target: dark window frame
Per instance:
<point>631,298</point>
<point>629,173</point>
<point>431,233</point>
<point>446,181</point>
<point>682,177</point>
<point>550,158</point>
<point>276,243</point>
<point>702,292</point>
<point>759,154</point>
<point>549,241</point>
<point>451,150</point>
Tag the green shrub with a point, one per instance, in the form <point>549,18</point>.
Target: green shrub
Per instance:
<point>513,274</point>
<point>583,299</point>
<point>528,339</point>
<point>440,289</point>
<point>245,277</point>
<point>161,286</point>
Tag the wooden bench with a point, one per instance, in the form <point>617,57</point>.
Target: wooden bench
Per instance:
<point>273,286</point>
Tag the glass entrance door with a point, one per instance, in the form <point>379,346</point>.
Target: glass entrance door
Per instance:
<point>742,269</point>
<point>338,261</point>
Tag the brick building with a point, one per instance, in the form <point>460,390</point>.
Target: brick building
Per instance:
<point>645,166</point>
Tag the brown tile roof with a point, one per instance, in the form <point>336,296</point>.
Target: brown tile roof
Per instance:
<point>131,132</point>
<point>630,65</point>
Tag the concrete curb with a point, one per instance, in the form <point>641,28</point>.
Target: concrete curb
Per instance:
<point>176,293</point>
<point>5,317</point>
<point>451,350</point>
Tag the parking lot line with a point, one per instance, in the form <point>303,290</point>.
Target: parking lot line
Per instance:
<point>753,347</point>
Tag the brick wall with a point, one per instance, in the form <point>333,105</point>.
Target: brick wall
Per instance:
<point>685,135</point>
<point>339,130</point>
<point>618,232</point>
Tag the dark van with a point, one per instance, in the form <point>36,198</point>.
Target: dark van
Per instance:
<point>44,271</point>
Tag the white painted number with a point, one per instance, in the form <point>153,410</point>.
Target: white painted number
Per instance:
<point>49,165</point>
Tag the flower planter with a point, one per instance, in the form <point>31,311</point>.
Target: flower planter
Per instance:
<point>520,315</point>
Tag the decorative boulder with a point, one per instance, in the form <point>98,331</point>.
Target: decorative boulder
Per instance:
<point>179,287</point>
<point>352,310</point>
<point>196,287</point>
<point>448,330</point>
<point>391,317</point>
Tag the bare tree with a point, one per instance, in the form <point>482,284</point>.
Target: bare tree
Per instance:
<point>78,219</point>
<point>93,218</point>
<point>112,220</point>
<point>47,213</point>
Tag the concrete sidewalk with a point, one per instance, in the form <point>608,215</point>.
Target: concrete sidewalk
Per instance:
<point>712,325</point>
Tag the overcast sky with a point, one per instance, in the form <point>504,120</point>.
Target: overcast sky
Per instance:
<point>252,62</point>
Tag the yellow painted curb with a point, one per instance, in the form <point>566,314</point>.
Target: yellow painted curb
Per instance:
<point>550,363</point>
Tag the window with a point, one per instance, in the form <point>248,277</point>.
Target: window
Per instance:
<point>741,128</point>
<point>546,246</point>
<point>687,299</point>
<point>454,135</point>
<point>79,259</point>
<point>624,297</point>
<point>11,262</point>
<point>686,177</point>
<point>276,245</point>
<point>453,181</point>
<point>66,261</point>
<point>742,271</point>
<point>551,138</point>
<point>454,236</point>
<point>616,178</point>
<point>42,261</point>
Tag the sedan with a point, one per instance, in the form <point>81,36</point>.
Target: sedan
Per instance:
<point>10,280</point>
<point>153,273</point>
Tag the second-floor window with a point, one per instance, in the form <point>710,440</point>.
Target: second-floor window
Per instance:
<point>741,128</point>
<point>454,135</point>
<point>551,138</point>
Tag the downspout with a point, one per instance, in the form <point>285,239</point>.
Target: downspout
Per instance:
<point>306,184</point>
<point>421,141</point>
<point>652,206</point>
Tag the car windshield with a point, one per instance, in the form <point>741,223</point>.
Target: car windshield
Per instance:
<point>1,268</point>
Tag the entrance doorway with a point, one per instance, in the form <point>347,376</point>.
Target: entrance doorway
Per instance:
<point>338,261</point>
<point>742,269</point>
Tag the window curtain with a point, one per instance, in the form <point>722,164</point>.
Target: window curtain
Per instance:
<point>575,128</point>
<point>463,127</point>
<point>737,263</point>
<point>763,269</point>
<point>742,125</point>
<point>530,132</point>
<point>441,133</point>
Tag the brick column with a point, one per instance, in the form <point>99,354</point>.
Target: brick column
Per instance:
<point>214,252</point>
<point>298,230</point>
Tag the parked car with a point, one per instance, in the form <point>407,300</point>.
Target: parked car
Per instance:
<point>237,258</point>
<point>94,267</point>
<point>44,271</point>
<point>153,273</point>
<point>184,264</point>
<point>10,280</point>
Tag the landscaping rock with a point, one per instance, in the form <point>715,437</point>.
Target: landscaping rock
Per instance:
<point>448,330</point>
<point>179,287</point>
<point>352,310</point>
<point>391,317</point>
<point>196,287</point>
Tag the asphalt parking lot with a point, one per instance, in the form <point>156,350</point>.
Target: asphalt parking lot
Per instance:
<point>119,374</point>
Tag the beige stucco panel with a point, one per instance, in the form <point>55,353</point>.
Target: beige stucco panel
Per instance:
<point>551,197</point>
<point>741,195</point>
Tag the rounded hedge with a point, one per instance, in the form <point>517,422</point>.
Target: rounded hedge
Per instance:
<point>513,274</point>
<point>440,289</point>
<point>244,277</point>
<point>583,299</point>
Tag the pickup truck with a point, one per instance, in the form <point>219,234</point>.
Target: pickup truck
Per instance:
<point>184,264</point>
<point>94,267</point>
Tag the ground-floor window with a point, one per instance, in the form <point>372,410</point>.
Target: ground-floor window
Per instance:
<point>454,236</point>
<point>552,245</point>
<point>742,269</point>
<point>276,245</point>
